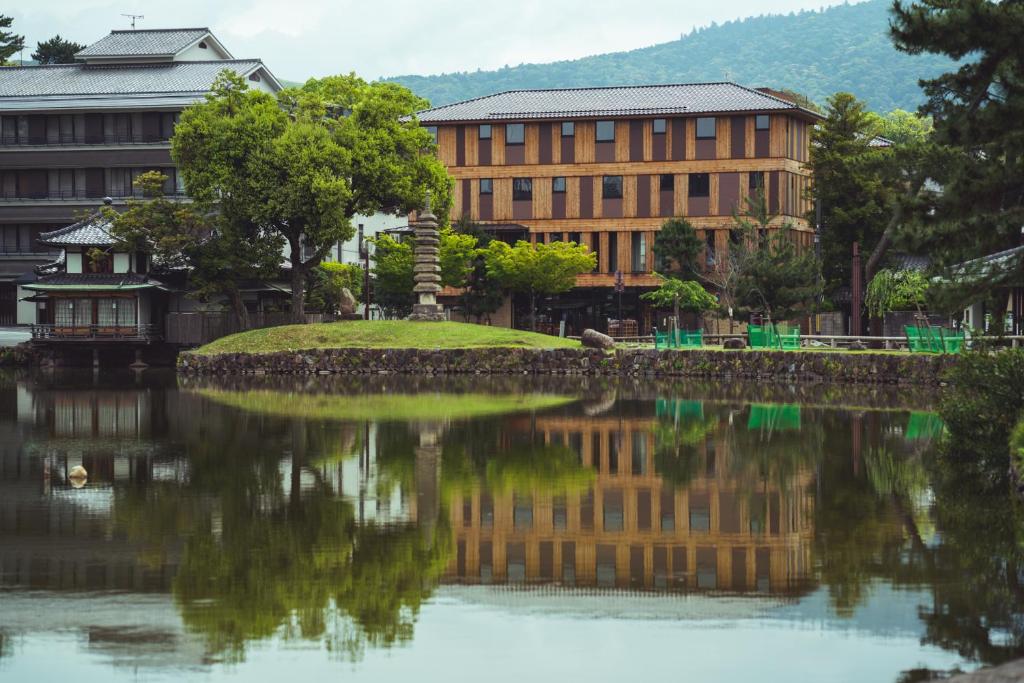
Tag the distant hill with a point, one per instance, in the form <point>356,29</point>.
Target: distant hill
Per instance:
<point>816,53</point>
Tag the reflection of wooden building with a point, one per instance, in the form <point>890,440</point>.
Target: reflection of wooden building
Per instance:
<point>632,529</point>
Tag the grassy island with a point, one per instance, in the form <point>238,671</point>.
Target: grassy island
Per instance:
<point>381,334</point>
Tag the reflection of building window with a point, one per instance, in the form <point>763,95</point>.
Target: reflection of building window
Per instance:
<point>486,511</point>
<point>605,566</point>
<point>639,453</point>
<point>612,511</point>
<point>522,512</point>
<point>559,513</point>
<point>700,518</point>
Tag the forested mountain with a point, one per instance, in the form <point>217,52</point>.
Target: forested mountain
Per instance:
<point>817,53</point>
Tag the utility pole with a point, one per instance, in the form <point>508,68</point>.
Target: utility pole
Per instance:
<point>364,253</point>
<point>133,17</point>
<point>856,298</point>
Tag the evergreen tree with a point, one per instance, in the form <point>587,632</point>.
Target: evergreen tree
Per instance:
<point>677,249</point>
<point>56,50</point>
<point>977,110</point>
<point>10,42</point>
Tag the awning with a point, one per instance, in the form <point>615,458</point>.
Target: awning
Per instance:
<point>43,287</point>
<point>35,299</point>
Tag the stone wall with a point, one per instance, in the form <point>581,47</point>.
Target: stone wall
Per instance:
<point>842,367</point>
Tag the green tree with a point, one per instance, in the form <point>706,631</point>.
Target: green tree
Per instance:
<point>677,249</point>
<point>681,295</point>
<point>326,282</point>
<point>302,165</point>
<point>538,269</point>
<point>776,278</point>
<point>895,290</point>
<point>902,127</point>
<point>393,276</point>
<point>10,42</point>
<point>217,255</point>
<point>56,50</point>
<point>977,109</point>
<point>849,185</point>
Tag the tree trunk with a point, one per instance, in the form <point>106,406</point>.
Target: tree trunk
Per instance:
<point>239,309</point>
<point>298,284</point>
<point>885,241</point>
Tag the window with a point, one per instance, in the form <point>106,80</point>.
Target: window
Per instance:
<point>700,185</point>
<point>761,122</point>
<point>756,180</point>
<point>486,186</point>
<point>668,182</point>
<point>706,128</point>
<point>83,312</point>
<point>611,187</point>
<point>709,252</point>
<point>433,133</point>
<point>485,131</point>
<point>558,184</point>
<point>515,134</point>
<point>568,129</point>
<point>659,126</point>
<point>613,252</point>
<point>606,131</point>
<point>638,252</point>
<point>522,189</point>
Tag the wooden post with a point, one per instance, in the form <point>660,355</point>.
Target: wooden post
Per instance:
<point>856,297</point>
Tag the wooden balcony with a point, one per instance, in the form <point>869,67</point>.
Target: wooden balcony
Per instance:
<point>96,333</point>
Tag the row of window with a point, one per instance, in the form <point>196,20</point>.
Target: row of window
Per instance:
<point>119,312</point>
<point>54,129</point>
<point>604,131</point>
<point>80,183</point>
<point>699,185</point>
<point>22,239</point>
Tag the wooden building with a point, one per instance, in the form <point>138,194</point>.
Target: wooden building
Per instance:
<point>606,167</point>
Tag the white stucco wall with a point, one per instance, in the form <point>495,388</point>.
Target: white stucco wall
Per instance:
<point>371,226</point>
<point>26,313</point>
<point>74,262</point>
<point>198,54</point>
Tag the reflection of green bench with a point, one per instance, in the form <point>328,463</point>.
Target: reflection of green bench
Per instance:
<point>923,425</point>
<point>931,339</point>
<point>678,408</point>
<point>679,339</point>
<point>773,337</point>
<point>774,416</point>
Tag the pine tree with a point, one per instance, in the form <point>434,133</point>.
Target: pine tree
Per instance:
<point>10,42</point>
<point>677,249</point>
<point>56,50</point>
<point>977,110</point>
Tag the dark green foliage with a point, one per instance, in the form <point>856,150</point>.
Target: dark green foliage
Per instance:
<point>845,47</point>
<point>978,110</point>
<point>677,249</point>
<point>10,42</point>
<point>56,50</point>
<point>325,282</point>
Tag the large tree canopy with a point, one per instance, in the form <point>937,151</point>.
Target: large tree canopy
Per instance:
<point>56,50</point>
<point>977,207</point>
<point>10,42</point>
<point>304,164</point>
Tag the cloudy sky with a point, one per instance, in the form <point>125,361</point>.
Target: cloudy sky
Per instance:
<point>302,38</point>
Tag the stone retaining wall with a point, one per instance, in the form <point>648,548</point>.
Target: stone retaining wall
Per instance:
<point>841,367</point>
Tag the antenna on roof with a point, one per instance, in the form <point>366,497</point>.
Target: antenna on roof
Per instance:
<point>133,17</point>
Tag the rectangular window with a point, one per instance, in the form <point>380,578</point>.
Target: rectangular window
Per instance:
<point>668,182</point>
<point>756,180</point>
<point>762,122</point>
<point>606,131</point>
<point>515,133</point>
<point>706,128</point>
<point>709,252</point>
<point>700,185</point>
<point>558,184</point>
<point>522,189</point>
<point>613,252</point>
<point>83,312</point>
<point>659,126</point>
<point>64,312</point>
<point>433,133</point>
<point>611,187</point>
<point>106,312</point>
<point>485,131</point>
<point>575,238</point>
<point>568,129</point>
<point>639,252</point>
<point>486,186</point>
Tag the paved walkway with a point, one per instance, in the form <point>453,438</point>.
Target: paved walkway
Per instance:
<point>11,336</point>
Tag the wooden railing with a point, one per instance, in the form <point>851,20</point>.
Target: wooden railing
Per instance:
<point>145,333</point>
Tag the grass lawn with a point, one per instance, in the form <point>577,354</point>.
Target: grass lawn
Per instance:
<point>382,407</point>
<point>381,334</point>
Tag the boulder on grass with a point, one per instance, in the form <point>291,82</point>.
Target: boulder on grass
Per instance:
<point>734,343</point>
<point>858,345</point>
<point>346,304</point>
<point>595,340</point>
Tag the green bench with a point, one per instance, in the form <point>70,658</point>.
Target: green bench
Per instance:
<point>679,339</point>
<point>773,337</point>
<point>931,339</point>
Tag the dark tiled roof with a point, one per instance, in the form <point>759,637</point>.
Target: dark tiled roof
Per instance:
<point>91,231</point>
<point>120,79</point>
<point>93,279</point>
<point>143,42</point>
<point>911,262</point>
<point>638,100</point>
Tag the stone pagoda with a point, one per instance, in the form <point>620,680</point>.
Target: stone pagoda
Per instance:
<point>427,268</point>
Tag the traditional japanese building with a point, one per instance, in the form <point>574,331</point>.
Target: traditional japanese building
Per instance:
<point>71,134</point>
<point>606,167</point>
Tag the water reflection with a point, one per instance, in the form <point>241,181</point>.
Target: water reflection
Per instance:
<point>263,525</point>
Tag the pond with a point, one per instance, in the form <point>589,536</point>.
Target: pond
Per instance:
<point>393,528</point>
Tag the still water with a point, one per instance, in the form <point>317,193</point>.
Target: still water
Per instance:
<point>399,529</point>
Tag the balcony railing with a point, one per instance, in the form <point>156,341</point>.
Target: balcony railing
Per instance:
<point>10,140</point>
<point>73,333</point>
<point>14,196</point>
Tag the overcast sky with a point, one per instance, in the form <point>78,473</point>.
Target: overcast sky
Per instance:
<point>302,38</point>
